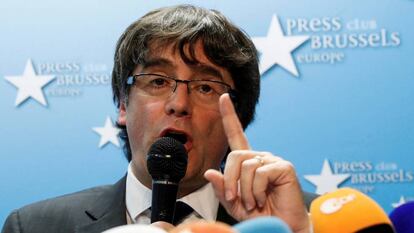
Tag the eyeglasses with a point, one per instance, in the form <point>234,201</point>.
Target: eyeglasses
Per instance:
<point>205,92</point>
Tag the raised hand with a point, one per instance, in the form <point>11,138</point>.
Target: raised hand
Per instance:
<point>256,183</point>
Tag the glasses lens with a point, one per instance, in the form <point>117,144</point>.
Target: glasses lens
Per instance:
<point>207,92</point>
<point>203,92</point>
<point>154,85</point>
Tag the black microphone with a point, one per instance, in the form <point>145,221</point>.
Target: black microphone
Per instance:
<point>167,164</point>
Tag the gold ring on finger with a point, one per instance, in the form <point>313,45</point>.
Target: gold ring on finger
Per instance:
<point>260,159</point>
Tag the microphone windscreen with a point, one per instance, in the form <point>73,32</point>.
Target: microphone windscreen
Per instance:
<point>403,218</point>
<point>203,227</point>
<point>167,160</point>
<point>134,228</point>
<point>263,225</point>
<point>347,210</point>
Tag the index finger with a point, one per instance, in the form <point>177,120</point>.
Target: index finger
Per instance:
<point>232,127</point>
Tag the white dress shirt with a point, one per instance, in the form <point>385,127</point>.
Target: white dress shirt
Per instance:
<point>138,201</point>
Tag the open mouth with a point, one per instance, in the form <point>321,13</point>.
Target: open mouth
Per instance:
<point>179,136</point>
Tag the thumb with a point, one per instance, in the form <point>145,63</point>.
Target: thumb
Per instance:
<point>217,180</point>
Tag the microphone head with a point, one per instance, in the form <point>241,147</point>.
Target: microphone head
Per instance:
<point>348,210</point>
<point>202,226</point>
<point>263,225</point>
<point>403,218</point>
<point>167,160</point>
<point>134,228</point>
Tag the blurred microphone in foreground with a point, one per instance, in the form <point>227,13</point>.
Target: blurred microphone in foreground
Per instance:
<point>348,211</point>
<point>203,227</point>
<point>135,228</point>
<point>256,225</point>
<point>402,218</point>
<point>263,225</point>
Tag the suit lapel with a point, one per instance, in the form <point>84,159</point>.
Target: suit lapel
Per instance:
<point>107,211</point>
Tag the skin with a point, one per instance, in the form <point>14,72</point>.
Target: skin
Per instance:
<point>268,186</point>
<point>147,117</point>
<point>254,183</point>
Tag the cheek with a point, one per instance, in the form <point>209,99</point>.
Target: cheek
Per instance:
<point>140,123</point>
<point>215,124</point>
<point>211,130</point>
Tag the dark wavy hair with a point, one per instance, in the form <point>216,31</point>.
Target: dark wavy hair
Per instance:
<point>182,26</point>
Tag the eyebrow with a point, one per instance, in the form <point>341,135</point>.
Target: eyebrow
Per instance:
<point>165,63</point>
<point>208,70</point>
<point>157,62</point>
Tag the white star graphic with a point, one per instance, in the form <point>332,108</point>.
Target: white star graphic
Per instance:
<point>277,48</point>
<point>30,84</point>
<point>109,133</point>
<point>326,181</point>
<point>400,202</point>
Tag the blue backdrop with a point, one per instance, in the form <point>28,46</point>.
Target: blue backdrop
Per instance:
<point>336,100</point>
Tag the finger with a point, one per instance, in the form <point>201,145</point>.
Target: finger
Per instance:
<point>234,131</point>
<point>233,169</point>
<point>260,185</point>
<point>280,173</point>
<point>232,172</point>
<point>217,181</point>
<point>249,167</point>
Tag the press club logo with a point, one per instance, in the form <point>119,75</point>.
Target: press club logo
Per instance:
<point>325,40</point>
<point>40,81</point>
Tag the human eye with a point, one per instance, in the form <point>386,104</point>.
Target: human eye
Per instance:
<point>155,81</point>
<point>205,87</point>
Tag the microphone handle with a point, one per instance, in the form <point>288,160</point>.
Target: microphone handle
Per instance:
<point>164,196</point>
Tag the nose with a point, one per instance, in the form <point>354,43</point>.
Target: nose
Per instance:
<point>178,103</point>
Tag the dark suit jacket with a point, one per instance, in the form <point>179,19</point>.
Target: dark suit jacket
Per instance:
<point>91,210</point>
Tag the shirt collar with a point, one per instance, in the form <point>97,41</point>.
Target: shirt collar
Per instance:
<point>203,201</point>
<point>138,198</point>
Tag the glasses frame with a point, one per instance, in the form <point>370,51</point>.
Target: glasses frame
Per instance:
<point>131,80</point>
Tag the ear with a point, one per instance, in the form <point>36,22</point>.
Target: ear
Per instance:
<point>122,114</point>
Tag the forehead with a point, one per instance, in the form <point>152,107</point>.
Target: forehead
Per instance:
<point>170,56</point>
<point>189,52</point>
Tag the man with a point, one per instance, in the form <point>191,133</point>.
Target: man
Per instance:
<point>175,70</point>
